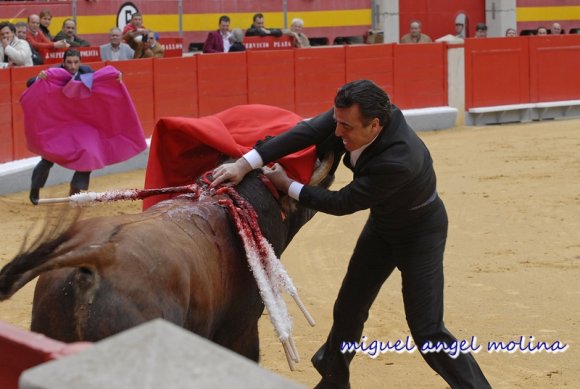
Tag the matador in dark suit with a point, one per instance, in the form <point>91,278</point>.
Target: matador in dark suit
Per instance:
<point>393,176</point>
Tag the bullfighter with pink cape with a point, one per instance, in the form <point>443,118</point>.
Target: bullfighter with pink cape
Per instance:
<point>82,123</point>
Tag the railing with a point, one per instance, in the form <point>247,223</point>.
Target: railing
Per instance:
<point>301,80</point>
<point>530,69</point>
<point>173,48</point>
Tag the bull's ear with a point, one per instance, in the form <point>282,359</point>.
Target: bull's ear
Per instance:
<point>322,169</point>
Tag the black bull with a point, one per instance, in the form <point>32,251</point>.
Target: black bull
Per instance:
<point>181,260</point>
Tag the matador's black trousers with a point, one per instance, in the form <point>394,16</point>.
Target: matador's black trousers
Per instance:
<point>80,180</point>
<point>415,246</point>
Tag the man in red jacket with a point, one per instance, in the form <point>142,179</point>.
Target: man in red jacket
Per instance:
<point>218,41</point>
<point>38,40</point>
<point>135,24</point>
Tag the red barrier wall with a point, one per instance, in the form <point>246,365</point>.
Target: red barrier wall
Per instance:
<point>420,77</point>
<point>5,117</point>
<point>268,42</point>
<point>271,78</point>
<point>318,74</point>
<point>497,71</point>
<point>438,17</point>
<point>88,54</point>
<point>173,46</point>
<point>301,80</point>
<point>21,350</point>
<point>138,77</point>
<point>18,80</point>
<point>554,68</point>
<point>373,62</point>
<point>175,87</point>
<point>222,81</point>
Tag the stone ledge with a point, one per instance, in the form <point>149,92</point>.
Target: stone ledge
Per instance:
<point>154,355</point>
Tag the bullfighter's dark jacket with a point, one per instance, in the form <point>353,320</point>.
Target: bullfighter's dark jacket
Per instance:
<point>393,176</point>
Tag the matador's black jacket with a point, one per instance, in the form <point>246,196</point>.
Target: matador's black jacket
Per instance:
<point>393,176</point>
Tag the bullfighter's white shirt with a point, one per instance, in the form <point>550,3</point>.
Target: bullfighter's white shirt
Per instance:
<point>255,161</point>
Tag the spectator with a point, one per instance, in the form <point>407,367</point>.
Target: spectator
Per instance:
<point>135,24</point>
<point>415,35</point>
<point>45,19</point>
<point>300,40</point>
<point>13,51</point>
<point>80,180</point>
<point>542,31</point>
<point>341,40</point>
<point>21,32</point>
<point>460,30</point>
<point>68,34</point>
<point>556,29</point>
<point>511,32</point>
<point>257,28</point>
<point>480,30</point>
<point>219,41</point>
<point>145,44</point>
<point>156,48</point>
<point>236,40</point>
<point>38,40</point>
<point>116,50</point>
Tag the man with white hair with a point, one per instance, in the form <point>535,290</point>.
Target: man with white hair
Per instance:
<point>21,32</point>
<point>415,35</point>
<point>300,40</point>
<point>556,29</point>
<point>116,50</point>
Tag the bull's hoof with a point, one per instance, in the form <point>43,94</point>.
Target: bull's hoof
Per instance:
<point>33,196</point>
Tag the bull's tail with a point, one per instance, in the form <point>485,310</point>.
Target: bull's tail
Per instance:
<point>43,255</point>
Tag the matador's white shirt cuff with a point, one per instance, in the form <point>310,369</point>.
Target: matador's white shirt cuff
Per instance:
<point>294,190</point>
<point>254,159</point>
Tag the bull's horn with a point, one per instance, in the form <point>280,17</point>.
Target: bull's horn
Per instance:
<point>323,168</point>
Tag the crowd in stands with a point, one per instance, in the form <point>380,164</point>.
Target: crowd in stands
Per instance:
<point>24,43</point>
<point>225,40</point>
<point>415,34</point>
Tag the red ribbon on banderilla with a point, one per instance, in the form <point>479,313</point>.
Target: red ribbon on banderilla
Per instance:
<point>269,272</point>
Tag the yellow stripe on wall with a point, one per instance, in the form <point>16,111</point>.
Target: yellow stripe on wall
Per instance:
<point>101,24</point>
<point>535,14</point>
<point>96,24</point>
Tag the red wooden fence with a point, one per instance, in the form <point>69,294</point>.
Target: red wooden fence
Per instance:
<point>529,69</point>
<point>301,80</point>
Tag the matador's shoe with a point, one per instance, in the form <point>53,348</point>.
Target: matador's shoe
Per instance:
<point>34,195</point>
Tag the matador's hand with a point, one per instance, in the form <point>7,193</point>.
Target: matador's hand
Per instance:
<point>231,173</point>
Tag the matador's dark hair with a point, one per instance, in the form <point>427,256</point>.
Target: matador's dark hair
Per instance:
<point>372,100</point>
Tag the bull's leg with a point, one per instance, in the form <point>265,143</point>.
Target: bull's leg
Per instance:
<point>243,339</point>
<point>54,306</point>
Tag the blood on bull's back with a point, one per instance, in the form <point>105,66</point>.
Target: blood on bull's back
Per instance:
<point>181,260</point>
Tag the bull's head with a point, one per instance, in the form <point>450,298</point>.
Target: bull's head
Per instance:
<point>281,218</point>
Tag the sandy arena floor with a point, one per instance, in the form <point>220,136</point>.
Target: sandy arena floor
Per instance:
<point>512,262</point>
